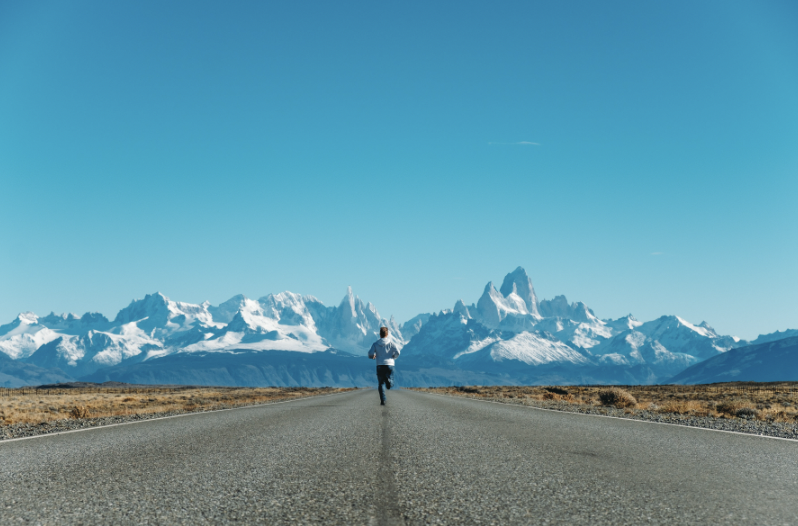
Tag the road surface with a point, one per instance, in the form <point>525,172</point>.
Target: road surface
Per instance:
<point>422,459</point>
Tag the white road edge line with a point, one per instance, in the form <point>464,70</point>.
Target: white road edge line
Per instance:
<point>94,428</point>
<point>618,418</point>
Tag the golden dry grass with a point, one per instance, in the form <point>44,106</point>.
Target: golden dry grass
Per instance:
<point>18,406</point>
<point>620,398</point>
<point>772,402</point>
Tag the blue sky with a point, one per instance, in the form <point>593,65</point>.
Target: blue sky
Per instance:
<point>638,156</point>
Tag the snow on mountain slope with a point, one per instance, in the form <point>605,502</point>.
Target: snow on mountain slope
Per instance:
<point>495,310</point>
<point>94,350</point>
<point>563,333</point>
<point>580,334</point>
<point>534,349</point>
<point>626,323</point>
<point>635,348</point>
<point>163,318</point>
<point>353,326</point>
<point>519,284</point>
<point>680,335</point>
<point>156,326</point>
<point>290,309</point>
<point>21,337</point>
<point>71,324</point>
<point>451,338</point>
<point>275,322</point>
<point>560,308</point>
<point>668,344</point>
<point>411,327</point>
<point>446,336</point>
<point>224,312</point>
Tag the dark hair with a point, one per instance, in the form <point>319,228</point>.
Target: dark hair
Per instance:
<point>383,332</point>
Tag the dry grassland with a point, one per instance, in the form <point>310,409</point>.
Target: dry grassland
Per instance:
<point>776,402</point>
<point>36,406</point>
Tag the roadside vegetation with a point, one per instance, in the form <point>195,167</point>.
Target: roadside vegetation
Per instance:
<point>771,402</point>
<point>37,406</point>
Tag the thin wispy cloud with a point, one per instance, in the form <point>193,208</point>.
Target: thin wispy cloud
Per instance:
<point>519,143</point>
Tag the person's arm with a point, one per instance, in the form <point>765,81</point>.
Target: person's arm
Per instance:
<point>395,351</point>
<point>372,352</point>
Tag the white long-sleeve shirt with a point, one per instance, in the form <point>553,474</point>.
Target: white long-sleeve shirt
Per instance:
<point>384,350</point>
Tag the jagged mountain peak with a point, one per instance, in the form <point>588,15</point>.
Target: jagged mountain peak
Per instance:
<point>28,317</point>
<point>624,323</point>
<point>93,317</point>
<point>460,308</point>
<point>242,321</point>
<point>284,300</point>
<point>583,313</point>
<point>72,323</point>
<point>59,318</point>
<point>493,308</point>
<point>518,282</point>
<point>350,302</point>
<point>235,300</point>
<point>557,307</point>
<point>670,321</point>
<point>150,305</point>
<point>160,317</point>
<point>23,321</point>
<point>778,335</point>
<point>225,311</point>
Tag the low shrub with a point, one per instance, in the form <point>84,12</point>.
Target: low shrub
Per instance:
<point>746,412</point>
<point>677,407</point>
<point>729,408</point>
<point>79,412</point>
<point>617,397</point>
<point>557,397</point>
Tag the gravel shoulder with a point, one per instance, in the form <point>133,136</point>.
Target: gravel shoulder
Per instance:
<point>740,425</point>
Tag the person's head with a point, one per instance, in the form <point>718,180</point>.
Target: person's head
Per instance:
<point>383,332</point>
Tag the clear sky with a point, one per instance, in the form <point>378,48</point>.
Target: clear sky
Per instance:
<point>638,156</point>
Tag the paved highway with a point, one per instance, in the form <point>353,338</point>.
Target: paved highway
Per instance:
<point>423,459</point>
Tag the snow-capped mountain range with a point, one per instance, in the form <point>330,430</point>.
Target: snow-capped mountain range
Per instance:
<point>156,326</point>
<point>507,333</point>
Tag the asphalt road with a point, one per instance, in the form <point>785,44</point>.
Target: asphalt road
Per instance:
<point>423,459</point>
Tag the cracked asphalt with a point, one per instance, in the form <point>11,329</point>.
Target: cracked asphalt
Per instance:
<point>422,459</point>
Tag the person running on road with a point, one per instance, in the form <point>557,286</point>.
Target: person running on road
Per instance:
<point>384,351</point>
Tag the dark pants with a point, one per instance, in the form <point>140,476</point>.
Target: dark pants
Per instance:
<point>384,377</point>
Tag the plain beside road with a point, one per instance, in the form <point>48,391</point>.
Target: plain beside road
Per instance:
<point>344,459</point>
